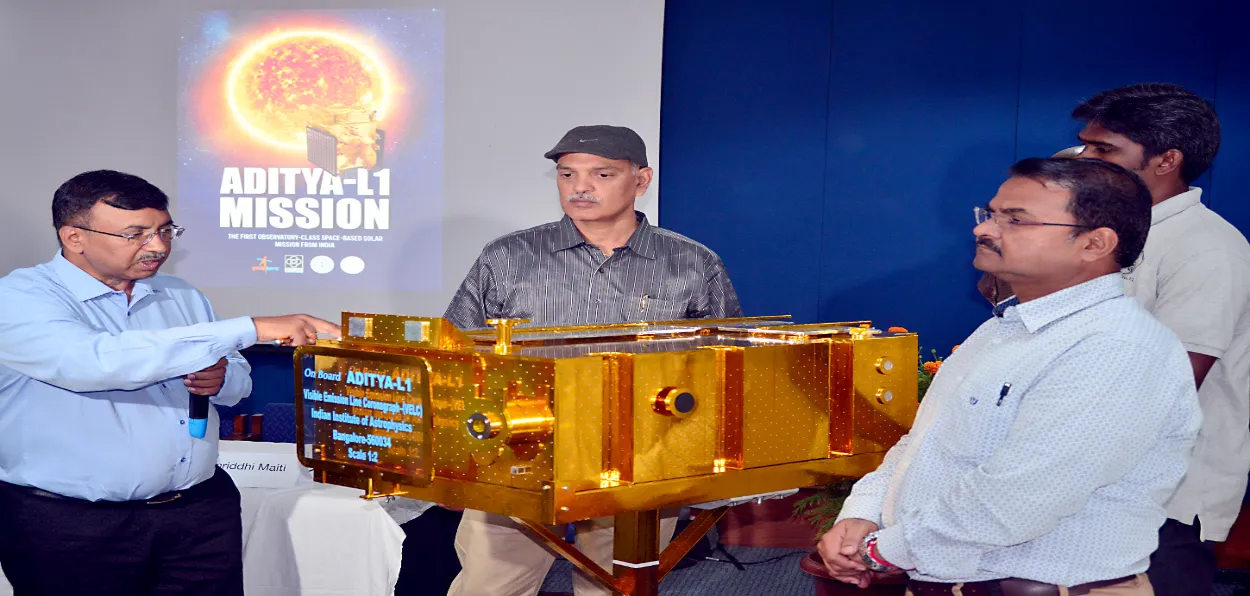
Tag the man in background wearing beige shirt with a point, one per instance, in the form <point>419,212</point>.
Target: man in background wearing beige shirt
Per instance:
<point>1194,277</point>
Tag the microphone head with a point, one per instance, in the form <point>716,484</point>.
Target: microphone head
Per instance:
<point>198,427</point>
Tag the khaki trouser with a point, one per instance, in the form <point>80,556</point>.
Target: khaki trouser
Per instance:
<point>498,557</point>
<point>1139,586</point>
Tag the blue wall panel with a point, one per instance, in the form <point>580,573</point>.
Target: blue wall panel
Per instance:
<point>273,378</point>
<point>743,116</point>
<point>922,112</point>
<point>1072,50</point>
<point>1230,176</point>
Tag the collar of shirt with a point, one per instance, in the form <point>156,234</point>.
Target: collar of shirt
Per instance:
<point>640,243</point>
<point>1175,205</point>
<point>84,287</point>
<point>1038,313</point>
<point>1002,307</point>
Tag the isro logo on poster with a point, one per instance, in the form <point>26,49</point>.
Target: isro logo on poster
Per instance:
<point>293,264</point>
<point>262,265</point>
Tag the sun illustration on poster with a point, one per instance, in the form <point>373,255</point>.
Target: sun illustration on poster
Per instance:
<point>283,82</point>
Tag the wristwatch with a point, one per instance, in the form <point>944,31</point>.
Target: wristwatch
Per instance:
<point>871,559</point>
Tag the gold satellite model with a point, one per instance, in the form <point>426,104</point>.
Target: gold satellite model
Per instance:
<point>553,425</point>
<point>344,139</point>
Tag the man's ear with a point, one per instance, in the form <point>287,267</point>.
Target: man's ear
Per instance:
<point>71,239</point>
<point>642,180</point>
<point>1166,163</point>
<point>1099,243</point>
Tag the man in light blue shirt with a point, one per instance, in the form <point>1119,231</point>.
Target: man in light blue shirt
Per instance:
<point>1043,453</point>
<point>103,489</point>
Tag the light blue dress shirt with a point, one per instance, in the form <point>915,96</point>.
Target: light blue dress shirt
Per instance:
<point>92,403</point>
<point>1063,479</point>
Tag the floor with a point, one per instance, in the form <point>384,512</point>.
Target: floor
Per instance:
<point>773,572</point>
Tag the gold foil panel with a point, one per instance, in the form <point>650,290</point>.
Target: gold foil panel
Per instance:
<point>668,446</point>
<point>562,424</point>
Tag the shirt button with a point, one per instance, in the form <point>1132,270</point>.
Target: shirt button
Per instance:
<point>182,422</point>
<point>184,460</point>
<point>972,400</point>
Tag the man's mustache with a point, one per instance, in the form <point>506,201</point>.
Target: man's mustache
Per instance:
<point>582,196</point>
<point>152,256</point>
<point>987,243</point>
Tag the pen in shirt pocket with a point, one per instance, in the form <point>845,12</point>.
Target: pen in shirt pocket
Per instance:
<point>1002,393</point>
<point>642,304</point>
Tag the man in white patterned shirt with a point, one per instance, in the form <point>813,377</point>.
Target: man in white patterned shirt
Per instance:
<point>1041,458</point>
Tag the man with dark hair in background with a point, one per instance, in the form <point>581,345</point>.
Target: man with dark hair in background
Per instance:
<point>1194,276</point>
<point>103,489</point>
<point>1046,447</point>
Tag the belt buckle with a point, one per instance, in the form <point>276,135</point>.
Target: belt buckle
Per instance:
<point>173,497</point>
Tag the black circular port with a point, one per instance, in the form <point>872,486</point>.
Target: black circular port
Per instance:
<point>479,426</point>
<point>683,403</point>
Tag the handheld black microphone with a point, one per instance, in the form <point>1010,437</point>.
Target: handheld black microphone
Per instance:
<point>197,415</point>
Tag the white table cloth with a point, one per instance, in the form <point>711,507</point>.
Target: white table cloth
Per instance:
<point>316,539</point>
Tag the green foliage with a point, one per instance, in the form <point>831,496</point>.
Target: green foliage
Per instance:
<point>821,509</point>
<point>924,378</point>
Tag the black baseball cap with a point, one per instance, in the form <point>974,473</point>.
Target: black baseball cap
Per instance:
<point>612,142</point>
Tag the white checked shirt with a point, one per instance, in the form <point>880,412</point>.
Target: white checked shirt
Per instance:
<point>1045,448</point>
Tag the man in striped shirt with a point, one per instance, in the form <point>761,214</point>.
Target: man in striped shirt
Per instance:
<point>602,263</point>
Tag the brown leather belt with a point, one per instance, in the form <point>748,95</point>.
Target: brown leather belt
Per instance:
<point>1008,587</point>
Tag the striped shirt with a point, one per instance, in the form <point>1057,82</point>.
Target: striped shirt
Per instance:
<point>551,276</point>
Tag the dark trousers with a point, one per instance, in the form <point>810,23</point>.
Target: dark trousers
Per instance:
<point>60,546</point>
<point>1184,565</point>
<point>429,559</point>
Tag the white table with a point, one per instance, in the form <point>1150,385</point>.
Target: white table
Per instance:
<point>318,539</point>
<point>314,538</point>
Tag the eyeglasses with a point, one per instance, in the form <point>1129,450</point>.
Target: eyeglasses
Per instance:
<point>1003,221</point>
<point>166,233</point>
